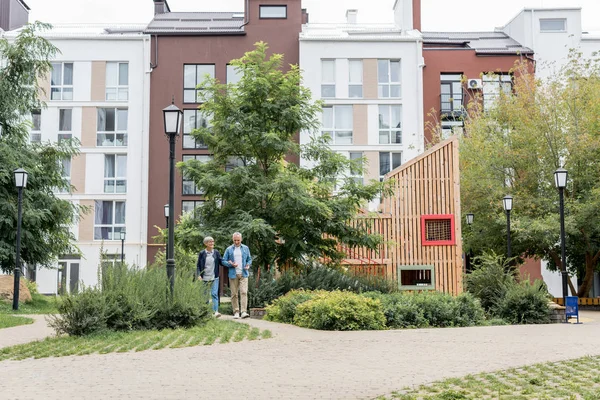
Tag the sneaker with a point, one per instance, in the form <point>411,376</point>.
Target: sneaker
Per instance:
<point>236,316</point>
<point>217,314</point>
<point>245,314</point>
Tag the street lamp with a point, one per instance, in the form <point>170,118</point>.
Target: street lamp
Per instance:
<point>508,205</point>
<point>470,218</point>
<point>20,183</point>
<point>172,117</point>
<point>122,246</point>
<point>560,179</point>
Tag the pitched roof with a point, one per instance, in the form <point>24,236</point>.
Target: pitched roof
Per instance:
<point>197,23</point>
<point>481,42</point>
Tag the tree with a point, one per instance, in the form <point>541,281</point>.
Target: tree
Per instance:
<point>285,212</point>
<point>515,148</point>
<point>46,218</point>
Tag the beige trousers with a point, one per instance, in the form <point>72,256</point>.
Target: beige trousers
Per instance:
<point>240,284</point>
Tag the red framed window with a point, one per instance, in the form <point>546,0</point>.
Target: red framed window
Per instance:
<point>437,230</point>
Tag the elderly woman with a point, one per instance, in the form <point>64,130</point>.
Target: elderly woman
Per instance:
<point>207,268</point>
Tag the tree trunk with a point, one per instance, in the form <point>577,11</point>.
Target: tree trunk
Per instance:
<point>590,266</point>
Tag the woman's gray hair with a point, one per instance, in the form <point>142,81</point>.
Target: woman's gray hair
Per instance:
<point>208,239</point>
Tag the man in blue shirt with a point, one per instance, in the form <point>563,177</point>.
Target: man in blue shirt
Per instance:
<point>238,259</point>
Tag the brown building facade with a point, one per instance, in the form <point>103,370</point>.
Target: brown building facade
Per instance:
<point>185,47</point>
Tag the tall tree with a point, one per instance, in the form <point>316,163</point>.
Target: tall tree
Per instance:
<point>46,218</point>
<point>287,213</point>
<point>515,148</point>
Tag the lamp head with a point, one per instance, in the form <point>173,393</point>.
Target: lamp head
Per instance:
<point>172,117</point>
<point>20,178</point>
<point>508,202</point>
<point>470,218</point>
<point>560,178</point>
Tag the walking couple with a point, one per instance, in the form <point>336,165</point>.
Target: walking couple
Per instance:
<point>238,260</point>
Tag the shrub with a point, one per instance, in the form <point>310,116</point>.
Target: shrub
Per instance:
<point>490,282</point>
<point>525,303</point>
<point>340,311</point>
<point>283,309</point>
<point>468,311</point>
<point>80,314</point>
<point>400,310</point>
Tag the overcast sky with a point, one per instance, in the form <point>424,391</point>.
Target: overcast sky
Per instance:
<point>462,15</point>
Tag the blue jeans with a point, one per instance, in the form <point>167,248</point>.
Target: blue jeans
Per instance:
<point>214,293</point>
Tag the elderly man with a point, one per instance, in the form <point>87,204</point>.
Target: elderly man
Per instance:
<point>238,259</point>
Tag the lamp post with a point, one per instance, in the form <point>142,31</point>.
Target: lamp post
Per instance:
<point>122,246</point>
<point>560,179</point>
<point>167,226</point>
<point>172,118</point>
<point>469,218</point>
<point>20,183</point>
<point>508,204</point>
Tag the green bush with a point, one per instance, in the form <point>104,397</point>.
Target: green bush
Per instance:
<point>80,314</point>
<point>340,311</point>
<point>525,303</point>
<point>283,309</point>
<point>468,311</point>
<point>400,310</point>
<point>490,281</point>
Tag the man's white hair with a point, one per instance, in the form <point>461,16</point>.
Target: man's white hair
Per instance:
<point>236,234</point>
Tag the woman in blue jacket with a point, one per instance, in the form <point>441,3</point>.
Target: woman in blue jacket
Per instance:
<point>207,269</point>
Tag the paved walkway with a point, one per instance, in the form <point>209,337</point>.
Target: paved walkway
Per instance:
<point>299,363</point>
<point>26,333</point>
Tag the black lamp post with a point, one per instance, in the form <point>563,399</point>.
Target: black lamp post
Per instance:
<point>508,205</point>
<point>167,226</point>
<point>469,218</point>
<point>20,183</point>
<point>172,117</point>
<point>560,179</point>
<point>122,246</point>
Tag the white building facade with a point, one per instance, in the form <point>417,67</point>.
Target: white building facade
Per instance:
<point>98,93</point>
<point>370,79</point>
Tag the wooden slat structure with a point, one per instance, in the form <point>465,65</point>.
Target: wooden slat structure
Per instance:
<point>427,186</point>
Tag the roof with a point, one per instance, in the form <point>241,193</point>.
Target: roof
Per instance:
<point>24,5</point>
<point>195,23</point>
<point>357,32</point>
<point>89,31</point>
<point>481,42</point>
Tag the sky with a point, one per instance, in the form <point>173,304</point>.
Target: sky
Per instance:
<point>437,15</point>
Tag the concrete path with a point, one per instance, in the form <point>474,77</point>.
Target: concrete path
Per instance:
<point>299,363</point>
<point>26,333</point>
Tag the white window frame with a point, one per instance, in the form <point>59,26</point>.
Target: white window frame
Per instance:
<point>122,133</point>
<point>115,228</point>
<point>187,139</point>
<point>188,184</point>
<point>390,131</point>
<point>492,85</point>
<point>59,87</point>
<point>357,85</point>
<point>563,20</point>
<point>386,82</point>
<point>188,89</point>
<point>118,92</point>
<point>358,176</point>
<point>68,111</point>
<point>272,7</point>
<point>325,84</point>
<point>391,155</point>
<point>35,135</point>
<point>196,204</point>
<point>334,130</point>
<point>118,176</point>
<point>65,173</point>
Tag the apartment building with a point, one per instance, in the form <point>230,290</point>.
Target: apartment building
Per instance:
<point>98,93</point>
<point>13,14</point>
<point>370,79</point>
<point>187,46</point>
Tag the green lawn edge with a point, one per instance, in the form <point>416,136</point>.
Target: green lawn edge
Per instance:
<point>9,321</point>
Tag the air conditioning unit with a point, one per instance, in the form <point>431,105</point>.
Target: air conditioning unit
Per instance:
<point>474,84</point>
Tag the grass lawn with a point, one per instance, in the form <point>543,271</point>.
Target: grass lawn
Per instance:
<point>215,331</point>
<point>573,379</point>
<point>8,321</point>
<point>40,304</point>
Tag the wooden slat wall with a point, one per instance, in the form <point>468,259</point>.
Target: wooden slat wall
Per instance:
<point>428,184</point>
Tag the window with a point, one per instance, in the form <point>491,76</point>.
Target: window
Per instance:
<point>65,119</point>
<point>437,230</point>
<point>327,78</point>
<point>61,83</point>
<point>553,25</point>
<point>273,12</point>
<point>388,76</point>
<point>416,277</point>
<point>64,136</point>
<point>193,119</point>
<point>390,124</point>
<point>356,171</point>
<point>112,127</point>
<point>109,220</point>
<point>115,173</point>
<point>451,100</point>
<point>450,128</point>
<point>193,75</point>
<point>117,81</point>
<point>355,78</point>
<point>66,172</point>
<point>234,74</point>
<point>235,162</point>
<point>388,161</point>
<point>189,188</point>
<point>337,124</point>
<point>493,85</point>
<point>188,206</point>
<point>36,122</point>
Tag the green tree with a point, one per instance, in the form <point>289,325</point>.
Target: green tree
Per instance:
<point>515,148</point>
<point>286,213</point>
<point>46,218</point>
